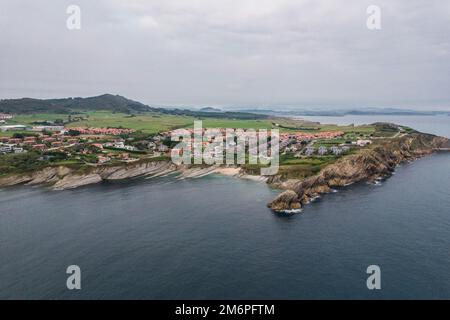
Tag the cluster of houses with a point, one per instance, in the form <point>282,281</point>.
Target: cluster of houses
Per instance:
<point>10,148</point>
<point>104,156</point>
<point>119,144</point>
<point>302,136</point>
<point>300,143</point>
<point>20,127</point>
<point>64,143</point>
<point>322,150</point>
<point>95,142</point>
<point>336,150</point>
<point>40,142</point>
<point>4,117</point>
<point>293,142</point>
<point>103,131</point>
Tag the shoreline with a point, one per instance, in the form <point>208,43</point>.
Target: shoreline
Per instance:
<point>367,165</point>
<point>60,178</point>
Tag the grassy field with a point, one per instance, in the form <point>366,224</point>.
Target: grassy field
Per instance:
<point>40,117</point>
<point>156,122</point>
<point>232,123</point>
<point>295,168</point>
<point>311,127</point>
<point>310,161</point>
<point>328,143</point>
<point>148,123</point>
<point>12,133</point>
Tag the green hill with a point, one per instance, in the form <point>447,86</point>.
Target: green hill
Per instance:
<point>108,102</point>
<point>105,102</point>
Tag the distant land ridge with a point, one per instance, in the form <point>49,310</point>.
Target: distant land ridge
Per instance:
<point>108,102</point>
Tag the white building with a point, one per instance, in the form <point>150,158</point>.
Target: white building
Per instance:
<point>129,148</point>
<point>6,147</point>
<point>336,150</point>
<point>310,150</point>
<point>363,143</point>
<point>48,128</point>
<point>119,145</point>
<point>17,127</point>
<point>19,150</point>
<point>322,150</point>
<point>4,116</point>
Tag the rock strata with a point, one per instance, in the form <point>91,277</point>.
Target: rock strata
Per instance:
<point>367,165</point>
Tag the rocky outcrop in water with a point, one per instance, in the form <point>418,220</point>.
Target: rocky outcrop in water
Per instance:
<point>288,200</point>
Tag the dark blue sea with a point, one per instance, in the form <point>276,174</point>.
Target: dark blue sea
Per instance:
<point>214,238</point>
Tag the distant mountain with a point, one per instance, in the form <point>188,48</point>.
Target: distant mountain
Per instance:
<point>344,112</point>
<point>109,102</point>
<point>117,103</point>
<point>210,109</point>
<point>222,114</point>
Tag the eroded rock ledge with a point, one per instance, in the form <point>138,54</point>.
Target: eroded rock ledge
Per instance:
<point>367,165</point>
<point>62,177</point>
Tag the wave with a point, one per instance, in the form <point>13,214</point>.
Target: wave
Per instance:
<point>292,211</point>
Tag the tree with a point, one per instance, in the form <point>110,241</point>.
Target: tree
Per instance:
<point>18,136</point>
<point>48,133</point>
<point>73,133</point>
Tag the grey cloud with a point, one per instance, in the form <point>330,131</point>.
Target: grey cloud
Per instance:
<point>248,52</point>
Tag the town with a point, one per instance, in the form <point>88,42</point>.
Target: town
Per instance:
<point>61,144</point>
<point>88,145</point>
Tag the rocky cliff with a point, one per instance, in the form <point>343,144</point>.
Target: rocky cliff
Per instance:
<point>367,165</point>
<point>63,177</point>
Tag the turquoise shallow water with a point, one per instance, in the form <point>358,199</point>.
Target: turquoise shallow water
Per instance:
<point>214,238</point>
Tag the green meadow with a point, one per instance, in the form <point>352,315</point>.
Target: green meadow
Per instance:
<point>153,122</point>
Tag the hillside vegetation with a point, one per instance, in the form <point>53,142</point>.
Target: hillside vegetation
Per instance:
<point>106,102</point>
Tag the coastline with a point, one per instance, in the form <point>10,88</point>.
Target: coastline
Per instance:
<point>62,177</point>
<point>367,165</point>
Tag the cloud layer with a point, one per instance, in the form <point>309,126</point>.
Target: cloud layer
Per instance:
<point>306,53</point>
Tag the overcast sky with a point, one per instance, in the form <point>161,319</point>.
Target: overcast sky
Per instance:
<point>301,53</point>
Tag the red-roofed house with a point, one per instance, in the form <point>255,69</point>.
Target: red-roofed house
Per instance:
<point>39,146</point>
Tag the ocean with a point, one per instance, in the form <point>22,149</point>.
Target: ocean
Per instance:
<point>214,238</point>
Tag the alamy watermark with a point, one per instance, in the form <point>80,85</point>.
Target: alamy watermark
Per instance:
<point>374,280</point>
<point>374,19</point>
<point>73,21</point>
<point>73,282</point>
<point>227,146</point>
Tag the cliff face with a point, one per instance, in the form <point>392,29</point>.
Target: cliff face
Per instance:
<point>367,165</point>
<point>61,177</point>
